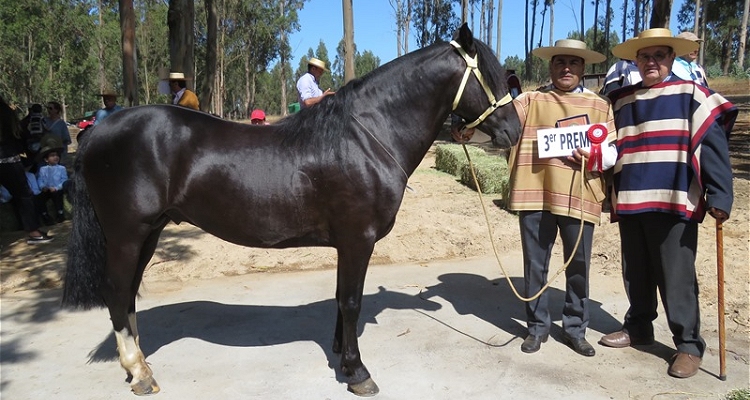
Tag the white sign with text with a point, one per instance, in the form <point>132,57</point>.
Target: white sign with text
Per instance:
<point>560,142</point>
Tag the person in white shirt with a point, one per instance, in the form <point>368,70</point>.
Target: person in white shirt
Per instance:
<point>307,85</point>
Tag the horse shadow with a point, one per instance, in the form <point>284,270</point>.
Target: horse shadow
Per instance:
<point>470,294</point>
<point>247,325</point>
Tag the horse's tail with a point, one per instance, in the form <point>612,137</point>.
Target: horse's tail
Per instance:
<point>86,247</point>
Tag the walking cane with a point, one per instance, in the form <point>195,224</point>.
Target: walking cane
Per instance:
<point>720,302</point>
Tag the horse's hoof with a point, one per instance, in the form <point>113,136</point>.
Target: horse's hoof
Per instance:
<point>145,387</point>
<point>366,388</point>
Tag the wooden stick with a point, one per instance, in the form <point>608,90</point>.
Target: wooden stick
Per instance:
<point>720,302</point>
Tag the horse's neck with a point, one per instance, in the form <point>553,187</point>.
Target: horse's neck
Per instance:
<point>419,101</point>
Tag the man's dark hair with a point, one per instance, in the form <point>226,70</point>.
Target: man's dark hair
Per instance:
<point>181,84</point>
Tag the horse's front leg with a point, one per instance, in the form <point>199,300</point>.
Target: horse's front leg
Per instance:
<point>353,260</point>
<point>119,294</point>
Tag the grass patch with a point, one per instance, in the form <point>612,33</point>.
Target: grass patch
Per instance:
<point>738,394</point>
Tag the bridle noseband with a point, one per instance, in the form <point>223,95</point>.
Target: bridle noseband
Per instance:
<point>472,66</point>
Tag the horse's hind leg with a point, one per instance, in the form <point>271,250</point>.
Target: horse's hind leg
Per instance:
<point>353,259</point>
<point>125,265</point>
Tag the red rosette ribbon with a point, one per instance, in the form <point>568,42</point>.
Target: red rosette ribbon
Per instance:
<point>597,134</point>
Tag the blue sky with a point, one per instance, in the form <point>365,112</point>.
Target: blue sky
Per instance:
<point>375,27</point>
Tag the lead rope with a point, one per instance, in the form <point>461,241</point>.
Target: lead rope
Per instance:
<point>492,241</point>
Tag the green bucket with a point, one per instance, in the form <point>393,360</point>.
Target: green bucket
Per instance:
<point>293,108</point>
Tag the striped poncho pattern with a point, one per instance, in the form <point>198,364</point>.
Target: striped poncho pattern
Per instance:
<point>660,131</point>
<point>553,184</point>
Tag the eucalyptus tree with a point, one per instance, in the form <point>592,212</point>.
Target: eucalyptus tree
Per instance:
<point>153,50</point>
<point>402,10</point>
<point>434,21</point>
<point>723,20</point>
<point>661,14</point>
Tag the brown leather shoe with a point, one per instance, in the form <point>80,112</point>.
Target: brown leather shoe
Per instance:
<point>621,339</point>
<point>684,365</point>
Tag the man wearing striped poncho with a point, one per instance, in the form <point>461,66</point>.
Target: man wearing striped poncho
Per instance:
<point>672,167</point>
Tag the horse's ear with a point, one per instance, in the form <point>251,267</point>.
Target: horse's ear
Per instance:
<point>465,38</point>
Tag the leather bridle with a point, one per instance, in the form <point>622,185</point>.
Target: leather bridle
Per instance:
<point>472,66</point>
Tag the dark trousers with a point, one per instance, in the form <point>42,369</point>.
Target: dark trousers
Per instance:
<point>658,252</point>
<point>57,201</point>
<point>13,177</point>
<point>539,231</point>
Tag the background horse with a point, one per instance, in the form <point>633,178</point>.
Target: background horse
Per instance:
<point>331,175</point>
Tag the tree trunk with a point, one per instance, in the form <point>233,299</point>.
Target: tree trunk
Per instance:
<point>407,24</point>
<point>527,51</point>
<point>490,19</point>
<point>596,31</point>
<point>499,27</point>
<point>624,19</point>
<point>661,13</point>
<point>282,64</point>
<point>100,47</point>
<point>398,8</point>
<point>637,19</point>
<point>465,10</point>
<point>180,18</point>
<point>212,24</point>
<point>743,35</point>
<point>607,18</point>
<point>129,72</point>
<point>551,23</point>
<point>583,30</point>
<point>348,41</point>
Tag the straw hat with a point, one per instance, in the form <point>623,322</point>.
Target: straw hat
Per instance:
<point>653,37</point>
<point>177,76</point>
<point>569,47</point>
<point>109,92</point>
<point>689,36</point>
<point>317,63</point>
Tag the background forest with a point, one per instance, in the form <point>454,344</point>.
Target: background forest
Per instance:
<point>238,54</point>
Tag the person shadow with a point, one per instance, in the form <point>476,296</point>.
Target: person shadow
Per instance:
<point>494,301</point>
<point>247,325</point>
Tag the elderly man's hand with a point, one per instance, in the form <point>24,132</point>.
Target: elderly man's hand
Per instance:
<point>719,215</point>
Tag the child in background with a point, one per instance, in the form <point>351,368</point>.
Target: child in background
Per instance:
<point>258,117</point>
<point>50,179</point>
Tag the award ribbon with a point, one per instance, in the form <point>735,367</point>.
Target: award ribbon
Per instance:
<point>597,133</point>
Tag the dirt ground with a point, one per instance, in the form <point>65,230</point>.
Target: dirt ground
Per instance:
<point>440,220</point>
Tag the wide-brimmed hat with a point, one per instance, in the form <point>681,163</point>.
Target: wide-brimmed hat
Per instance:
<point>177,76</point>
<point>50,143</point>
<point>108,92</point>
<point>569,47</point>
<point>257,114</point>
<point>689,36</point>
<point>317,63</point>
<point>653,37</point>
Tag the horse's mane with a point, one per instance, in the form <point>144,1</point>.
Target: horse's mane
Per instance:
<point>324,124</point>
<point>490,69</point>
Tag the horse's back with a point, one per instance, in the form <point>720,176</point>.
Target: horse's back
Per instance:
<point>242,183</point>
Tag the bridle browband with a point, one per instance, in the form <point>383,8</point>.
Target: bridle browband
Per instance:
<point>472,66</point>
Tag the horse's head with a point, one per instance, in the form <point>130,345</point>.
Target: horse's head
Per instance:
<point>483,99</point>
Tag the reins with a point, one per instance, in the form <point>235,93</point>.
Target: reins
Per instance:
<point>492,241</point>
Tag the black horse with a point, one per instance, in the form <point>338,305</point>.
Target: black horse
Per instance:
<point>331,175</point>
